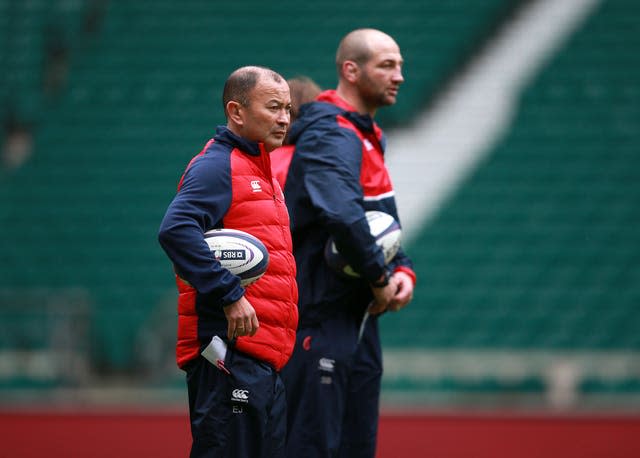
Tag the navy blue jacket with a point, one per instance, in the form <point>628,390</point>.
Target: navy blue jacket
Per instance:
<point>337,173</point>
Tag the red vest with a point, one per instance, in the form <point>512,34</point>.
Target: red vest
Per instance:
<point>257,207</point>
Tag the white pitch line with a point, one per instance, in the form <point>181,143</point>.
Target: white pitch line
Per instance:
<point>430,159</point>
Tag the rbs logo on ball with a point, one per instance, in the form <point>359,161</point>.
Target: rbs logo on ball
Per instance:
<point>239,255</point>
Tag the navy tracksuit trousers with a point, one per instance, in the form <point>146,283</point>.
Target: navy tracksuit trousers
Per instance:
<point>333,388</point>
<point>237,414</point>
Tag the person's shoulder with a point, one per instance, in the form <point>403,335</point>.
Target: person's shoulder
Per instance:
<point>329,130</point>
<point>329,141</point>
<point>315,113</point>
<point>324,117</point>
<point>333,118</point>
<point>211,160</point>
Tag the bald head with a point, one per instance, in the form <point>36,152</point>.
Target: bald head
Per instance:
<point>360,45</point>
<point>369,64</point>
<point>241,82</point>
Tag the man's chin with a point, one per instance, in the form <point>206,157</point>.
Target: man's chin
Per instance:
<point>388,100</point>
<point>270,145</point>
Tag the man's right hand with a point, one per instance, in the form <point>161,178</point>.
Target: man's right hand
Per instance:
<point>382,296</point>
<point>242,319</point>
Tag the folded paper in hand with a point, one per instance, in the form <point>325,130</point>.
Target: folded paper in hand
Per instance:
<point>215,353</point>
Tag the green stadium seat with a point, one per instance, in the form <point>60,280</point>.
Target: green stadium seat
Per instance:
<point>538,250</point>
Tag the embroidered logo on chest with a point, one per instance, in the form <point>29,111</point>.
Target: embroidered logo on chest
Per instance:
<point>255,186</point>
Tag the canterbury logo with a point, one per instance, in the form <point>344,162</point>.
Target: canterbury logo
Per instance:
<point>240,395</point>
<point>326,364</point>
<point>255,185</point>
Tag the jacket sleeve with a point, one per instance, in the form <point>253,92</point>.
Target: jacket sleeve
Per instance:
<point>400,262</point>
<point>200,205</point>
<point>332,181</point>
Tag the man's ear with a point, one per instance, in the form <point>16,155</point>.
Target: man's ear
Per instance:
<point>234,112</point>
<point>350,70</point>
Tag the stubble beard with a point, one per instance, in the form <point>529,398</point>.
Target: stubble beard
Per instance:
<point>375,98</point>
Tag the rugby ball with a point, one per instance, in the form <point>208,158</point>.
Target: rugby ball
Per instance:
<point>387,233</point>
<point>240,252</point>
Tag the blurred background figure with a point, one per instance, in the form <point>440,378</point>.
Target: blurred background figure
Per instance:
<point>303,90</point>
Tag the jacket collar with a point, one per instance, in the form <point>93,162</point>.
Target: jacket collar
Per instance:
<point>331,96</point>
<point>364,122</point>
<point>224,135</point>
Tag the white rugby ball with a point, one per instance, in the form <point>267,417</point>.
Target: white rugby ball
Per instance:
<point>387,233</point>
<point>240,252</point>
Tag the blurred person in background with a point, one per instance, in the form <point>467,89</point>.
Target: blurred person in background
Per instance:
<point>303,90</point>
<point>237,403</point>
<point>337,173</point>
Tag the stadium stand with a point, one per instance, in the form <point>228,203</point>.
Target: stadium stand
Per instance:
<point>139,102</point>
<point>537,252</point>
<point>45,339</point>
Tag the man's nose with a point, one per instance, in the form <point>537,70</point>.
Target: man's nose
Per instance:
<point>284,117</point>
<point>397,76</point>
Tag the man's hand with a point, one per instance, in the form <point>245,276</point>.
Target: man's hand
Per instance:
<point>383,296</point>
<point>404,293</point>
<point>242,319</point>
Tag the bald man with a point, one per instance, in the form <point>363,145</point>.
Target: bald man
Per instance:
<point>336,174</point>
<point>232,339</point>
